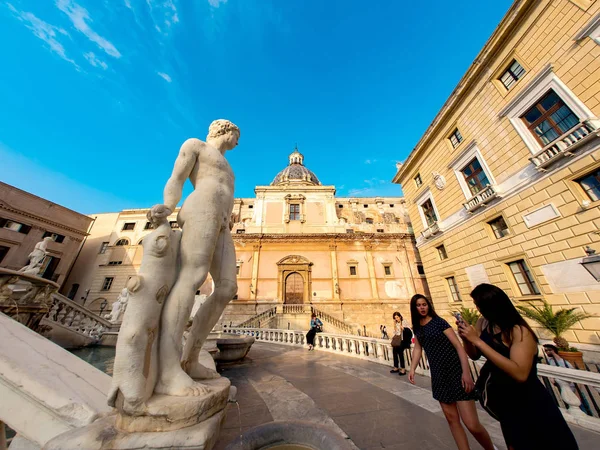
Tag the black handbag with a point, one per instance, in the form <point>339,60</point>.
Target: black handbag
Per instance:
<point>490,391</point>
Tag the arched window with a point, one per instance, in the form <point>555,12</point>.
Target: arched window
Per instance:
<point>122,242</point>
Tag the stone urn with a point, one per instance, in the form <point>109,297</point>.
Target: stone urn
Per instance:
<point>233,347</point>
<point>291,435</point>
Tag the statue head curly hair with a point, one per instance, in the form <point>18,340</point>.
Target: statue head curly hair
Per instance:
<point>220,127</point>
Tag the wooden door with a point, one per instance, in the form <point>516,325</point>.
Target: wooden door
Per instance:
<point>294,289</point>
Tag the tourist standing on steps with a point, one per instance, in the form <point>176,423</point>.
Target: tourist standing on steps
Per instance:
<point>399,344</point>
<point>316,326</point>
<point>451,381</point>
<point>511,390</point>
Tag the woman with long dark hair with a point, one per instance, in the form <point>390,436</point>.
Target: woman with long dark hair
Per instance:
<point>399,344</point>
<point>451,381</point>
<point>511,390</point>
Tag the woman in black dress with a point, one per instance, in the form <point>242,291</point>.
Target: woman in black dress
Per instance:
<point>511,390</point>
<point>451,381</point>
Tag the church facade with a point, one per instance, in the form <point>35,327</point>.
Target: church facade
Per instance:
<point>296,244</point>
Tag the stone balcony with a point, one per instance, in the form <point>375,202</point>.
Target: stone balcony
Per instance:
<point>433,229</point>
<point>483,197</point>
<point>566,145</point>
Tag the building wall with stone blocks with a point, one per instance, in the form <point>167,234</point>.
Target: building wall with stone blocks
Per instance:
<point>25,219</point>
<point>296,243</point>
<point>533,204</point>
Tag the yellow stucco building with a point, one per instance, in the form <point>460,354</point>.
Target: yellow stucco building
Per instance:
<point>296,244</point>
<point>504,186</point>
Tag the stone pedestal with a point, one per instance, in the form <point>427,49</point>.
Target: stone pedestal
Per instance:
<point>166,422</point>
<point>104,435</point>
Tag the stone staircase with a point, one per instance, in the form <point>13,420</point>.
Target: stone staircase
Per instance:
<point>297,317</point>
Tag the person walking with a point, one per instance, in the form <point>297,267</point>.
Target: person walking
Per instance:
<point>399,344</point>
<point>451,381</point>
<point>511,390</point>
<point>316,326</point>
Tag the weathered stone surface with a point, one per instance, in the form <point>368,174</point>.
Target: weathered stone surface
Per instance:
<point>168,413</point>
<point>103,435</point>
<point>44,389</point>
<point>291,433</point>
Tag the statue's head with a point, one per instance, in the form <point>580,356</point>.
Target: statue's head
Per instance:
<point>48,239</point>
<point>223,134</point>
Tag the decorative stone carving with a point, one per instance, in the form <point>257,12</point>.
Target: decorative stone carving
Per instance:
<point>439,180</point>
<point>119,306</point>
<point>389,217</point>
<point>359,217</point>
<point>36,257</point>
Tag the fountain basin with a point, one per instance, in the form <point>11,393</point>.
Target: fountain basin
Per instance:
<point>233,347</point>
<point>291,435</point>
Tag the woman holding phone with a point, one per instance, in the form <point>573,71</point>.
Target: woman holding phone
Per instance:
<point>511,390</point>
<point>451,381</point>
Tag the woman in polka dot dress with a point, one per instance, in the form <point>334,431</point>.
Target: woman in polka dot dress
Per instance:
<point>451,381</point>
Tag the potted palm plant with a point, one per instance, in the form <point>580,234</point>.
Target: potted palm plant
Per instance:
<point>557,323</point>
<point>470,316</point>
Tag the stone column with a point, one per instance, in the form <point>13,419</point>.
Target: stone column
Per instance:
<point>334,272</point>
<point>371,267</point>
<point>406,269</point>
<point>255,261</point>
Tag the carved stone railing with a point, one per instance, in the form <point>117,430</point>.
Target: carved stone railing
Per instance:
<point>483,197</point>
<point>296,309</point>
<point>576,392</point>
<point>370,349</point>
<point>433,229</point>
<point>565,145</point>
<point>256,320</point>
<point>26,298</point>
<point>328,318</point>
<point>78,319</point>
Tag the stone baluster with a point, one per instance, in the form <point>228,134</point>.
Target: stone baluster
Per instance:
<point>571,400</point>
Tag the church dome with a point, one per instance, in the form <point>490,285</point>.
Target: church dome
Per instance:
<point>296,172</point>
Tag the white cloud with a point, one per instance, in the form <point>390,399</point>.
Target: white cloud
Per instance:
<point>43,30</point>
<point>165,76</point>
<point>80,17</point>
<point>128,3</point>
<point>370,161</point>
<point>375,187</point>
<point>94,60</point>
<point>216,3</point>
<point>167,12</point>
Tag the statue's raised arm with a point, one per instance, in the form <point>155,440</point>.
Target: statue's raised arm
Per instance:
<point>184,164</point>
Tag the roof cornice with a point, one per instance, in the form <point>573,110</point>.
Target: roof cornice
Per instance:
<point>514,16</point>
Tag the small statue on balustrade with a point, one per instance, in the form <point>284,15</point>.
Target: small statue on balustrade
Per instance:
<point>36,257</point>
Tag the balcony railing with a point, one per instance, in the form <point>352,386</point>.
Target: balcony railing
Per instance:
<point>431,231</point>
<point>576,392</point>
<point>565,145</point>
<point>483,197</point>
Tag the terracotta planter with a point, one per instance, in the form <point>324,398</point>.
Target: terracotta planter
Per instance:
<point>575,358</point>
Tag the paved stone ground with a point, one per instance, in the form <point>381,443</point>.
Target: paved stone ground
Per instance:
<point>359,399</point>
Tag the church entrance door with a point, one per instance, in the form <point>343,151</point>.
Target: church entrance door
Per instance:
<point>294,289</point>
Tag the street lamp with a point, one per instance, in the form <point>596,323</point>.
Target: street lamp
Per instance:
<point>591,263</point>
<point>103,306</point>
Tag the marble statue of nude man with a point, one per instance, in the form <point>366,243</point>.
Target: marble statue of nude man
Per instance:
<point>206,246</point>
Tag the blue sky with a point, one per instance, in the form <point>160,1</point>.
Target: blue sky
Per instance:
<point>98,95</point>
